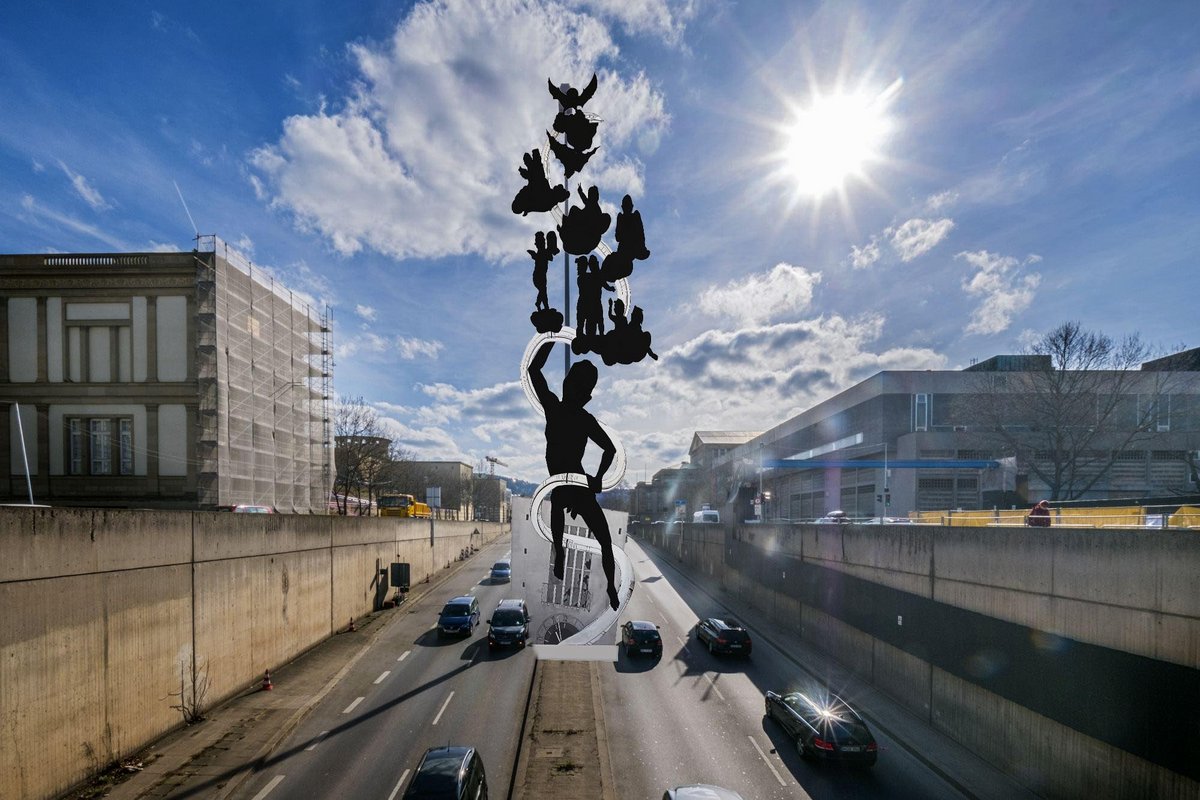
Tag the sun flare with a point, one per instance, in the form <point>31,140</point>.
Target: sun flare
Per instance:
<point>834,138</point>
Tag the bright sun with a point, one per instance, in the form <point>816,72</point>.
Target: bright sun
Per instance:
<point>833,138</point>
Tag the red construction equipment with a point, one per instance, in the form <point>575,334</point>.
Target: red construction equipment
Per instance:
<point>266,684</point>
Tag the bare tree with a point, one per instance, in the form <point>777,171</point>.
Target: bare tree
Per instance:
<point>1068,419</point>
<point>362,451</point>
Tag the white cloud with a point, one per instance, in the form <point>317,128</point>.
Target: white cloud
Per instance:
<point>918,236</point>
<point>941,200</point>
<point>366,312</point>
<point>31,206</point>
<point>865,256</point>
<point>85,190</point>
<point>762,296</point>
<point>422,159</point>
<point>1004,292</point>
<point>372,347</point>
<point>660,18</point>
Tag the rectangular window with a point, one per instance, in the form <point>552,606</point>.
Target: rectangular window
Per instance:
<point>99,353</point>
<point>921,406</point>
<point>100,445</point>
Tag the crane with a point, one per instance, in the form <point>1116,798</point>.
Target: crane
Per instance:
<point>492,462</point>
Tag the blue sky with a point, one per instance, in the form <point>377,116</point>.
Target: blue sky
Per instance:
<point>1008,167</point>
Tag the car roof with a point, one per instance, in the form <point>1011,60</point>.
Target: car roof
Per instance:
<point>642,625</point>
<point>728,624</point>
<point>832,701</point>
<point>512,602</point>
<point>440,769</point>
<point>462,598</point>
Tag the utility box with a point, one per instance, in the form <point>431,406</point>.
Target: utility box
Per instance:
<point>400,576</point>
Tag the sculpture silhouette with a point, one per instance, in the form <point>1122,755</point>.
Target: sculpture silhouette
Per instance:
<point>626,343</point>
<point>571,98</point>
<point>569,428</point>
<point>572,160</point>
<point>583,227</point>
<point>537,194</point>
<point>631,236</point>
<point>575,125</point>
<point>547,249</point>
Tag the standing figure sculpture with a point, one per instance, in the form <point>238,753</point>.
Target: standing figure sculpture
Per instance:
<point>546,250</point>
<point>569,428</point>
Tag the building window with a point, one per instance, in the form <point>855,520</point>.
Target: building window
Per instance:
<point>1155,411</point>
<point>921,404</point>
<point>100,445</point>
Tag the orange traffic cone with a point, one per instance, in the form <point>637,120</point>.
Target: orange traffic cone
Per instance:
<point>266,684</point>
<point>351,629</point>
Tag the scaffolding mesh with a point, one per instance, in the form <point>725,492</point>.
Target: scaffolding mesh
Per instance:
<point>265,367</point>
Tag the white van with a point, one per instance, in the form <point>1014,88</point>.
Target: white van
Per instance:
<point>706,515</point>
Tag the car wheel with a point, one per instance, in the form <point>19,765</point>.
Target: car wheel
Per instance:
<point>712,648</point>
<point>802,750</point>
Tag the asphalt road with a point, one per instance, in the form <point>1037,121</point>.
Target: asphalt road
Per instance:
<point>693,717</point>
<point>410,692</point>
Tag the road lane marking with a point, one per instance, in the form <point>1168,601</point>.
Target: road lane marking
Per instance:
<point>398,785</point>
<point>317,740</point>
<point>715,689</point>
<point>767,761</point>
<point>404,655</point>
<point>439,714</point>
<point>353,705</point>
<point>274,782</point>
<point>381,678</point>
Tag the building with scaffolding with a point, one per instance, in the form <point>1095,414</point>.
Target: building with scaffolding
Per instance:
<point>162,380</point>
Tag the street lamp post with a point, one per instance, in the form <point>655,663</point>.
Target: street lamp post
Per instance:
<point>24,453</point>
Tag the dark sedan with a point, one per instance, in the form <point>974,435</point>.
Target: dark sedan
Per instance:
<point>823,727</point>
<point>724,636</point>
<point>641,637</point>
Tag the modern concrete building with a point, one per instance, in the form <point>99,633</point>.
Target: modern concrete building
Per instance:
<point>950,439</point>
<point>161,380</point>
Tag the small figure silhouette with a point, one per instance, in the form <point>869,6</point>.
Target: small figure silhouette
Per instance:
<point>573,160</point>
<point>569,428</point>
<point>537,194</point>
<point>547,249</point>
<point>575,125</point>
<point>631,236</point>
<point>583,227</point>
<point>572,98</point>
<point>626,343</point>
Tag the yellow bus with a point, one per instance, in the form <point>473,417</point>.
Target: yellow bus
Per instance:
<point>402,505</point>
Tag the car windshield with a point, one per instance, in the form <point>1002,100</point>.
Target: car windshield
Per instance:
<point>645,636</point>
<point>456,610</point>
<point>437,778</point>
<point>507,617</point>
<point>735,635</point>
<point>500,565</point>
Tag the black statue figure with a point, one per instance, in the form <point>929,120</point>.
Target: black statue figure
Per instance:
<point>547,249</point>
<point>583,227</point>
<point>572,160</point>
<point>572,98</point>
<point>626,343</point>
<point>631,236</point>
<point>575,125</point>
<point>537,194</point>
<point>569,428</point>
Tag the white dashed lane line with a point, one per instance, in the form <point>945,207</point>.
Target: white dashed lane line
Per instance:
<point>443,709</point>
<point>767,761</point>
<point>714,686</point>
<point>353,705</point>
<point>382,677</point>
<point>399,783</point>
<point>404,655</point>
<point>266,789</point>
<point>317,740</point>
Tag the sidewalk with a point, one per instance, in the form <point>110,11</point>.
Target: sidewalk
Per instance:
<point>962,769</point>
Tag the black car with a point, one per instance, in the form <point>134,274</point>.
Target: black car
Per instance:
<point>641,638</point>
<point>448,773</point>
<point>724,636</point>
<point>509,625</point>
<point>823,727</point>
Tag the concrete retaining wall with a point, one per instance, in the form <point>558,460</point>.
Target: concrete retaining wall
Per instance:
<point>108,616</point>
<point>1114,615</point>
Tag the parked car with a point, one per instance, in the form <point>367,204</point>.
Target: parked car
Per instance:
<point>502,570</point>
<point>246,508</point>
<point>641,637</point>
<point>700,791</point>
<point>833,518</point>
<point>448,773</point>
<point>460,615</point>
<point>724,636</point>
<point>509,624</point>
<point>824,727</point>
